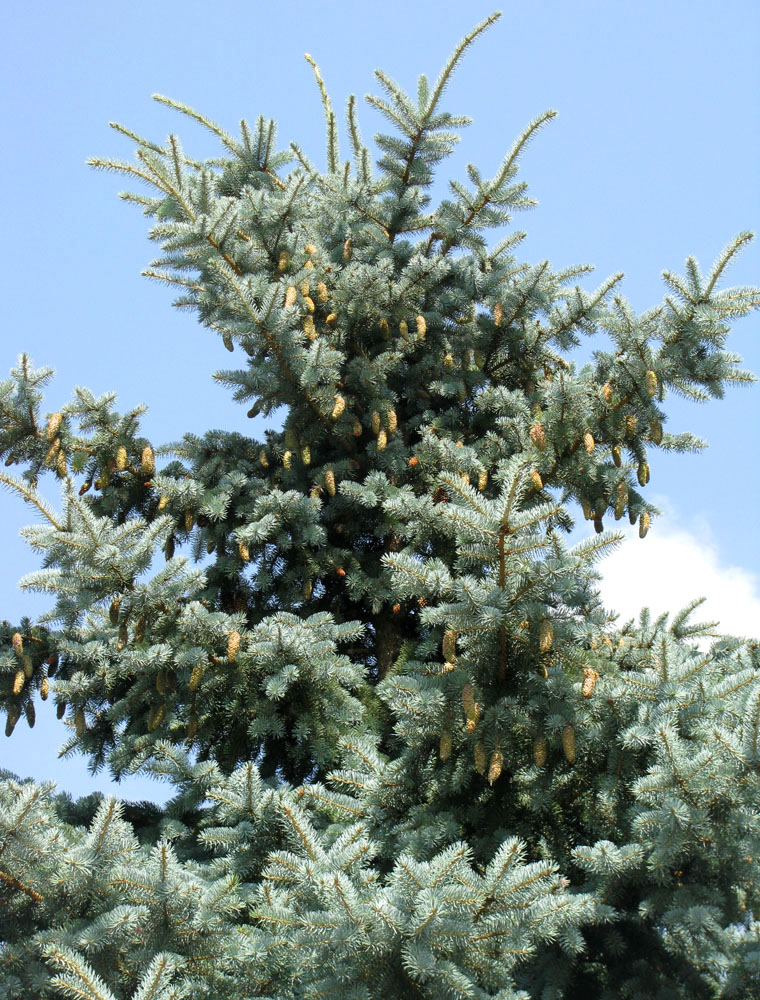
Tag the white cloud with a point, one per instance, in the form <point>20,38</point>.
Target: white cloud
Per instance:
<point>674,565</point>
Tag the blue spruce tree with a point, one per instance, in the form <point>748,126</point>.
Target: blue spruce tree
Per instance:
<point>413,756</point>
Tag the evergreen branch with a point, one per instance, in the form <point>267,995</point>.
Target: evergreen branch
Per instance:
<point>30,496</point>
<point>450,66</point>
<point>333,156</point>
<point>725,258</point>
<point>19,886</point>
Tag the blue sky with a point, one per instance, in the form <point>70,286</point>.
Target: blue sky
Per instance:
<point>654,156</point>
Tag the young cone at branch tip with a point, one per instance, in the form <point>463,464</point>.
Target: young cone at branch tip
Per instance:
<point>347,250</point>
<point>330,482</point>
<point>27,665</point>
<point>621,499</point>
<point>498,314</point>
<point>444,750</point>
<point>650,382</point>
<point>331,319</point>
<point>263,460</point>
<point>306,589</point>
<point>80,723</point>
<point>631,422</point>
<point>644,523</point>
<point>590,677</point>
<point>291,295</point>
<point>121,458</point>
<point>357,430</point>
<point>448,361</point>
<point>480,757</point>
<point>403,329</point>
<point>322,291</point>
<point>18,682</point>
<point>382,440</point>
<point>391,421</point>
<point>588,441</point>
<point>287,457</point>
<point>284,261</point>
<point>617,456</point>
<point>52,453</point>
<point>538,436</point>
<point>607,392</point>
<point>53,426</point>
<point>540,750</point>
<point>192,725</point>
<point>17,643</point>
<point>535,479</point>
<point>244,552</point>
<point>421,326</point>
<point>309,329</point>
<point>655,431</point>
<point>123,638</point>
<point>196,677</point>
<point>495,766</point>
<point>449,646</point>
<point>147,461</point>
<point>642,473</point>
<point>385,329</point>
<point>306,455</point>
<point>233,645</point>
<point>375,422</point>
<point>156,717</point>
<point>309,303</point>
<point>44,688</point>
<point>14,714</point>
<point>568,743</point>
<point>545,636</point>
<point>482,480</point>
<point>189,520</point>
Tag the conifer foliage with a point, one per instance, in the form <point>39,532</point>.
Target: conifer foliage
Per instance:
<point>412,753</point>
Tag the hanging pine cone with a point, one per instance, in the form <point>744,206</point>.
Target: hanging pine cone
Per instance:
<point>192,725</point>
<point>196,677</point>
<point>18,682</point>
<point>14,713</point>
<point>80,722</point>
<point>545,636</point>
<point>391,421</point>
<point>482,480</point>
<point>450,646</point>
<point>495,766</point>
<point>539,750</point>
<point>644,523</point>
<point>617,455</point>
<point>643,473</point>
<point>17,643</point>
<point>588,441</point>
<point>498,314</point>
<point>568,743</point>
<point>44,689</point>
<point>421,327</point>
<point>538,436</point>
<point>480,758</point>
<point>308,327</point>
<point>444,750</point>
<point>330,482</point>
<point>382,440</point>
<point>53,426</point>
<point>233,645</point>
<point>535,480</point>
<point>147,461</point>
<point>621,499</point>
<point>590,677</point>
<point>655,432</point>
<point>385,329</point>
<point>650,382</point>
<point>607,392</point>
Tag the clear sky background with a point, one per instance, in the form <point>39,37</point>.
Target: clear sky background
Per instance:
<point>654,156</point>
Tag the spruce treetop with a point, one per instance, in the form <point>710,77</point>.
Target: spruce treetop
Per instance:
<point>414,754</point>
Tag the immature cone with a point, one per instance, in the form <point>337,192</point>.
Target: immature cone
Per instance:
<point>588,511</point>
<point>121,458</point>
<point>140,629</point>
<point>306,589</point>
<point>650,382</point>
<point>233,645</point>
<point>539,750</point>
<point>421,326</point>
<point>161,682</point>
<point>480,758</point>
<point>607,392</point>
<point>52,453</point>
<point>309,303</point>
<point>192,725</point>
<point>347,249</point>
<point>495,766</point>
<point>147,461</point>
<point>598,524</point>
<point>60,710</point>
<point>27,666</point>
<point>385,329</point>
<point>444,750</point>
<point>375,422</point>
<point>330,482</point>
<point>382,440</point>
<point>468,700</point>
<point>156,717</point>
<point>322,291</point>
<point>630,424</point>
<point>538,436</point>
<point>588,441</point>
<point>80,722</point>
<point>621,499</point>
<point>568,743</point>
<point>283,262</point>
<point>498,314</point>
<point>450,646</point>
<point>123,637</point>
<point>535,479</point>
<point>14,712</point>
<point>306,455</point>
<point>263,460</point>
<point>545,636</point>
<point>61,467</point>
<point>227,341</point>
<point>617,456</point>
<point>644,523</point>
<point>590,677</point>
<point>403,329</point>
<point>482,480</point>
<point>18,682</point>
<point>44,689</point>
<point>357,429</point>
<point>290,296</point>
<point>196,677</point>
<point>391,421</point>
<point>287,458</point>
<point>244,552</point>
<point>643,473</point>
<point>448,361</point>
<point>53,425</point>
<point>311,249</point>
<point>17,643</point>
<point>30,712</point>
